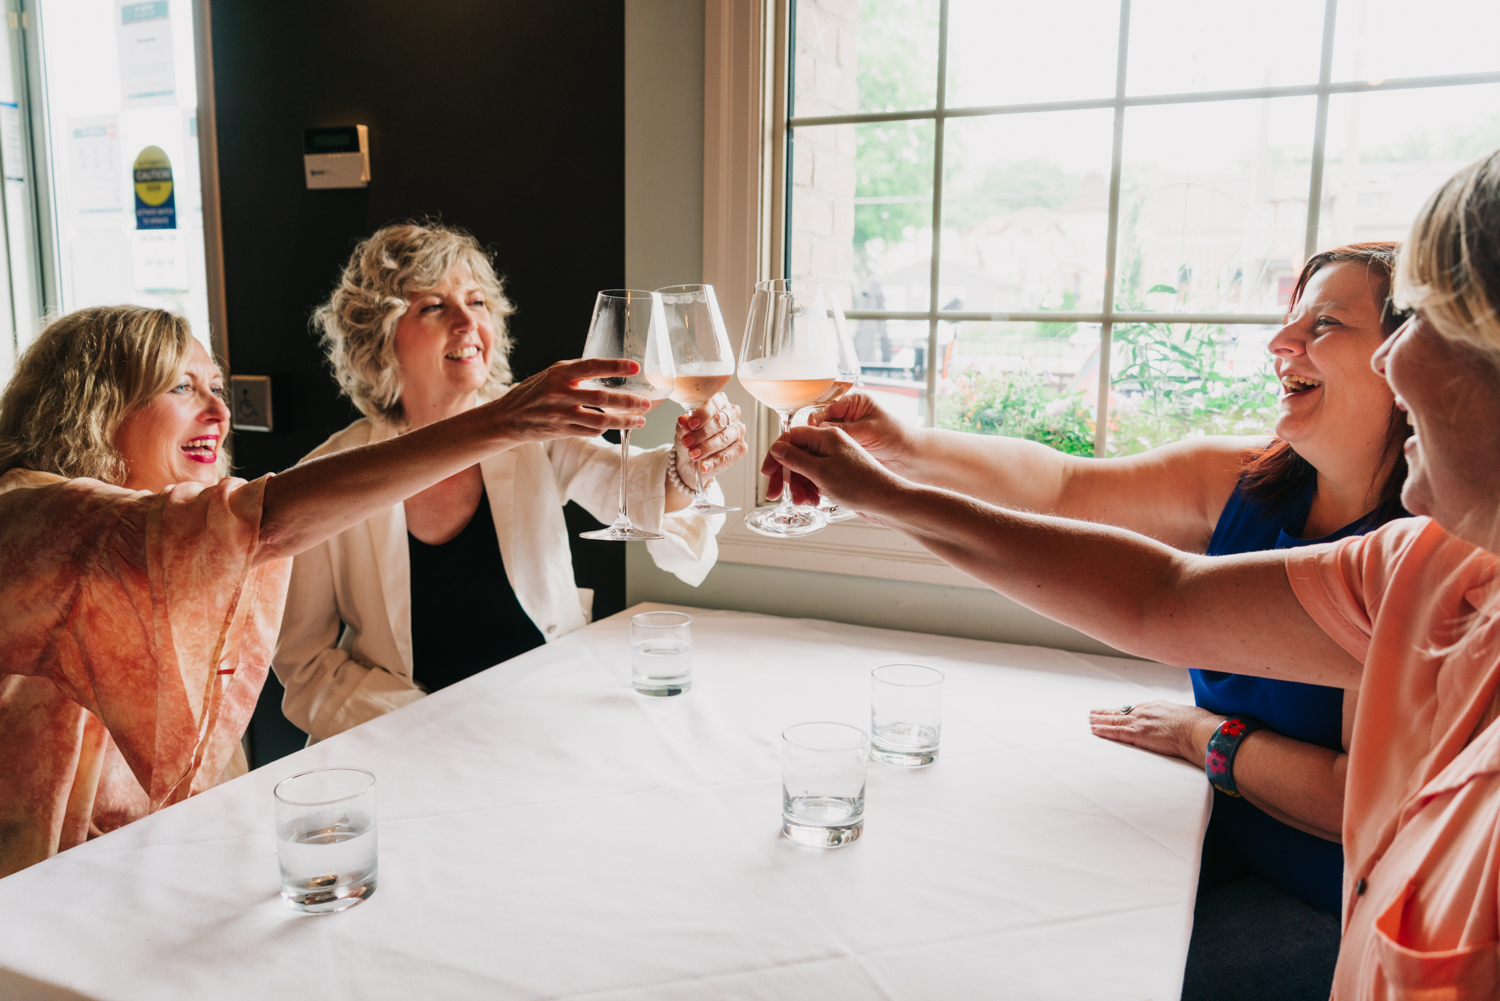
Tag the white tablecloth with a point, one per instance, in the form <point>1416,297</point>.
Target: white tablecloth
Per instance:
<point>547,833</point>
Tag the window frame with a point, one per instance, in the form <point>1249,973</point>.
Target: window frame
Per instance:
<point>748,112</point>
<point>1108,317</point>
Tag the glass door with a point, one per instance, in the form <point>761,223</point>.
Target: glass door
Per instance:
<point>118,113</point>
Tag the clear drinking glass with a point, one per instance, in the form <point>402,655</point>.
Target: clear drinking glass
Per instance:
<point>848,378</point>
<point>629,323</point>
<point>823,783</point>
<point>906,714</point>
<point>704,361</point>
<point>789,361</point>
<point>325,839</point>
<point>661,653</point>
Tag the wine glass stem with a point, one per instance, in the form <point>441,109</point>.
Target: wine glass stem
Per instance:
<point>700,496</point>
<point>785,509</point>
<point>623,521</point>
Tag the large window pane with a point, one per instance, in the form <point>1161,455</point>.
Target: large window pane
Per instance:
<point>1178,46</point>
<point>893,357</point>
<point>1386,39</point>
<point>1213,204</point>
<point>1174,381</point>
<point>1024,380</point>
<point>862,211</point>
<point>1025,211</point>
<point>1015,53</point>
<point>1387,152</point>
<point>865,55</point>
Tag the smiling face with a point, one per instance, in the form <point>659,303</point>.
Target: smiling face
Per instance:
<point>444,343</point>
<point>176,437</point>
<point>1333,407</point>
<point>1451,394</point>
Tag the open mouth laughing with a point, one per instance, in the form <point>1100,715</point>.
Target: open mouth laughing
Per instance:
<point>1294,384</point>
<point>204,448</point>
<point>463,353</point>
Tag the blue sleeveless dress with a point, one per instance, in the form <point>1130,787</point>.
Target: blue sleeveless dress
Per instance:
<point>1302,864</point>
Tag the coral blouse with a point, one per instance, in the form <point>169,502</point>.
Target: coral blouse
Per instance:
<point>135,635</point>
<point>1422,807</point>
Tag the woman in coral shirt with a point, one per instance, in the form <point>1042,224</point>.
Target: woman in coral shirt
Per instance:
<point>141,588</point>
<point>1408,614</point>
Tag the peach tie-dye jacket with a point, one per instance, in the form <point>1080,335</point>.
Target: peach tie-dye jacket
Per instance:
<point>135,635</point>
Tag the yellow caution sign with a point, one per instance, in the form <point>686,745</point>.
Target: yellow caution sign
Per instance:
<point>155,206</point>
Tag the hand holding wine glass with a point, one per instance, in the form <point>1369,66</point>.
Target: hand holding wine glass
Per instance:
<point>630,324</point>
<point>563,401</point>
<point>789,361</point>
<point>889,440</point>
<point>704,362</point>
<point>849,370</point>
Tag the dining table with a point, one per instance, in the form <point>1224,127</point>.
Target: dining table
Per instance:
<point>545,832</point>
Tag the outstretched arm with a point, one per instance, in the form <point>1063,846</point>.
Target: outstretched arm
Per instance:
<point>1235,614</point>
<point>318,499</point>
<point>1174,493</point>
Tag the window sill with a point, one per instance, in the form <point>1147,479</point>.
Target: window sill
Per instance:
<point>853,547</point>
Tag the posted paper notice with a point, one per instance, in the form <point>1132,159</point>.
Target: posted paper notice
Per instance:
<point>147,74</point>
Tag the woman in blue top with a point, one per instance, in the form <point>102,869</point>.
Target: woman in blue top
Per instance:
<point>1267,918</point>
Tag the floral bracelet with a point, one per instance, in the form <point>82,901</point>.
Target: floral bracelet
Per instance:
<point>1222,747</point>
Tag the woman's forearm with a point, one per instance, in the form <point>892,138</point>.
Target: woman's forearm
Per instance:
<point>320,498</point>
<point>1300,784</point>
<point>1008,471</point>
<point>1136,594</point>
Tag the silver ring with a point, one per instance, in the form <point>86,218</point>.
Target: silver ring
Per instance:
<point>1125,710</point>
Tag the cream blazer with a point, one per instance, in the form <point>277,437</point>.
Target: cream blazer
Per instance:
<point>344,654</point>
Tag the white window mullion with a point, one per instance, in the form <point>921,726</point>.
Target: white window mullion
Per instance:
<point>1320,132</point>
<point>1112,239</point>
<point>930,417</point>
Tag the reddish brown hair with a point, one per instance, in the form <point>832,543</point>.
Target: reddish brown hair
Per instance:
<point>1278,472</point>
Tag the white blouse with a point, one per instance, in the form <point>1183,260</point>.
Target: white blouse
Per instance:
<point>345,650</point>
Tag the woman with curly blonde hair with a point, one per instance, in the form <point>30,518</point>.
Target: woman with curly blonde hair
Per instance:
<point>477,568</point>
<point>141,588</point>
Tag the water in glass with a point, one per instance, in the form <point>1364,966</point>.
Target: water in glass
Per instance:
<point>823,784</point>
<point>906,721</point>
<point>661,666</point>
<point>326,838</point>
<point>661,653</point>
<point>329,864</point>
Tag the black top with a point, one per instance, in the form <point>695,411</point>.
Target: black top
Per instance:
<point>464,615</point>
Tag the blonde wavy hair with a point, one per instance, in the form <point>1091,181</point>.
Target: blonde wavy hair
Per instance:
<point>79,380</point>
<point>1449,267</point>
<point>385,272</point>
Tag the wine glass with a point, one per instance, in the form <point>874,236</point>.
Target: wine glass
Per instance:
<point>789,361</point>
<point>848,378</point>
<point>704,361</point>
<point>628,323</point>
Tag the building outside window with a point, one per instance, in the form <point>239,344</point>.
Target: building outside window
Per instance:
<point>1015,202</point>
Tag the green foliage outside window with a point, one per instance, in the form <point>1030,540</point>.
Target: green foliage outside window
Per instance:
<point>1174,381</point>
<point>1017,405</point>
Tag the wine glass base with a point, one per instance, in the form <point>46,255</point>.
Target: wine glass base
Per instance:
<point>621,535</point>
<point>692,511</point>
<point>770,520</point>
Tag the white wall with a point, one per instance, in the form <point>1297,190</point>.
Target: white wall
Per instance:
<point>664,246</point>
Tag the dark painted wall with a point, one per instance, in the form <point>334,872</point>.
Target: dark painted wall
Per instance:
<point>505,117</point>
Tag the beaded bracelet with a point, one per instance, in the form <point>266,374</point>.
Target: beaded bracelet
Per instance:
<point>1222,747</point>
<point>675,478</point>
